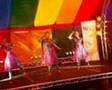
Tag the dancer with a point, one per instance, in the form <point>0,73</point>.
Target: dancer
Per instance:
<point>10,59</point>
<point>49,51</point>
<point>79,51</point>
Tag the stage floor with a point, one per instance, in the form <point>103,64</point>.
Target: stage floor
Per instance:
<point>40,78</point>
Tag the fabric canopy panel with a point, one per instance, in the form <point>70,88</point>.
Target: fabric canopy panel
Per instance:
<point>23,12</point>
<point>89,10</point>
<point>4,12</point>
<point>68,11</point>
<point>34,13</point>
<point>109,10</point>
<point>47,12</point>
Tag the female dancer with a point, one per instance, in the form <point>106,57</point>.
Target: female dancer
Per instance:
<point>49,51</point>
<point>79,51</point>
<point>10,59</point>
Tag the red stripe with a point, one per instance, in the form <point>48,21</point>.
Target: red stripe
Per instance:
<point>89,10</point>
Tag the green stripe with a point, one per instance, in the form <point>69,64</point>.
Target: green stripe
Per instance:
<point>23,12</point>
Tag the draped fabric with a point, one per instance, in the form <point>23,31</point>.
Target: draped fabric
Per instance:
<point>5,7</point>
<point>47,12</point>
<point>68,11</point>
<point>23,12</point>
<point>89,10</point>
<point>35,13</point>
<point>109,10</point>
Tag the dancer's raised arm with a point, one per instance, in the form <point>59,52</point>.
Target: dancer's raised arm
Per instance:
<point>71,35</point>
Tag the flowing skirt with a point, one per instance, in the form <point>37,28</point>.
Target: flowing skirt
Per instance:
<point>79,53</point>
<point>11,62</point>
<point>50,57</point>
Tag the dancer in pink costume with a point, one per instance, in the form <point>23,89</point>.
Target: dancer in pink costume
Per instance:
<point>49,51</point>
<point>10,60</point>
<point>79,51</point>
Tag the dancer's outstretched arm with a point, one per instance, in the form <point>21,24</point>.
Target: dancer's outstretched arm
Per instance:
<point>71,35</point>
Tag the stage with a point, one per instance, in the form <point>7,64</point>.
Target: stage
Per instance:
<point>68,74</point>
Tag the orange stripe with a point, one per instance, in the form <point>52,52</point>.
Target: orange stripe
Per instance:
<point>68,11</point>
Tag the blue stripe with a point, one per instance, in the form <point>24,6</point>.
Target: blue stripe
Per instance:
<point>5,6</point>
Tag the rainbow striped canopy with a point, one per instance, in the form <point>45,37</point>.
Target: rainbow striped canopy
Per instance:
<point>35,13</point>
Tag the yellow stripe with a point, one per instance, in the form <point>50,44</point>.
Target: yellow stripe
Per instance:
<point>68,11</point>
<point>47,12</point>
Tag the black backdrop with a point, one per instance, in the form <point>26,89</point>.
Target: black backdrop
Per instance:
<point>60,35</point>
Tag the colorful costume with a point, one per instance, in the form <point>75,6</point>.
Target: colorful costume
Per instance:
<point>49,52</point>
<point>11,61</point>
<point>79,51</point>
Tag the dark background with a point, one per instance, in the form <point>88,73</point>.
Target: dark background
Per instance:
<point>60,35</point>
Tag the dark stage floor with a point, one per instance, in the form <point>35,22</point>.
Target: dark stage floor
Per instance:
<point>66,77</point>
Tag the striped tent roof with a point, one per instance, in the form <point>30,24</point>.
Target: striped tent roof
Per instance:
<point>37,13</point>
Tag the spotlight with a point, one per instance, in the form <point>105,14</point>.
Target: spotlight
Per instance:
<point>70,52</point>
<point>105,21</point>
<point>99,33</point>
<point>36,56</point>
<point>31,57</point>
<point>40,56</point>
<point>105,38</point>
<point>67,53</point>
<point>98,18</point>
<point>1,61</point>
<point>105,33</point>
<point>98,25</point>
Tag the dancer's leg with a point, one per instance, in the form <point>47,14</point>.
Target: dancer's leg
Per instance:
<point>49,68</point>
<point>87,62</point>
<point>78,62</point>
<point>10,75</point>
